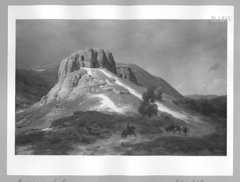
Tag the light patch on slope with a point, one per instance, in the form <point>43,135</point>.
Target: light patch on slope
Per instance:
<point>108,82</point>
<point>175,114</point>
<point>47,129</point>
<point>108,105</point>
<point>160,106</point>
<point>119,82</point>
<point>89,71</point>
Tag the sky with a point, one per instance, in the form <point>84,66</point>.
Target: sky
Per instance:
<point>191,55</point>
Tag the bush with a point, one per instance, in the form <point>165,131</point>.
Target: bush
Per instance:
<point>148,108</point>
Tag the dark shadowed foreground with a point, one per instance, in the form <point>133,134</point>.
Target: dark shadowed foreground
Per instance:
<point>96,133</point>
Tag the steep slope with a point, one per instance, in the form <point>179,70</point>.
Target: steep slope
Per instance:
<point>147,80</point>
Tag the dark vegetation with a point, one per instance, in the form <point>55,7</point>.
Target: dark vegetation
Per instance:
<point>216,106</point>
<point>87,128</point>
<point>31,86</point>
<point>213,144</point>
<point>148,108</point>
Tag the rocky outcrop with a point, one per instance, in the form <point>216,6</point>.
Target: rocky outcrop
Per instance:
<point>126,73</point>
<point>91,58</point>
<point>77,77</point>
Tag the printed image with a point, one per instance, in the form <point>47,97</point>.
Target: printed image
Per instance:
<point>121,87</point>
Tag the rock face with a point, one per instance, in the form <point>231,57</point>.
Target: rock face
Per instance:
<point>90,58</point>
<point>126,73</point>
<point>77,77</point>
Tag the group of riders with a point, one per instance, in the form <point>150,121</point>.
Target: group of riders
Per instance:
<point>172,129</point>
<point>177,129</point>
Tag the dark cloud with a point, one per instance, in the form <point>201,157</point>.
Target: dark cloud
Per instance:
<point>180,51</point>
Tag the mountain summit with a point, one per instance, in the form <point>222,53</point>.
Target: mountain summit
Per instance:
<point>84,72</point>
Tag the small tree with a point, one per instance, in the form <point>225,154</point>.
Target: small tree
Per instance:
<point>148,108</point>
<point>149,95</point>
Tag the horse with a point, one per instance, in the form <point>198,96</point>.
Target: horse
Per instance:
<point>128,131</point>
<point>185,130</point>
<point>175,128</point>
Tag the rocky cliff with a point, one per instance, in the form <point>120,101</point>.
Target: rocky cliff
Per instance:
<point>125,72</point>
<point>90,58</point>
<point>79,75</point>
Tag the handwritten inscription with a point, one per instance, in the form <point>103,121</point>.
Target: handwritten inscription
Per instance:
<point>190,180</point>
<point>221,18</point>
<point>41,180</point>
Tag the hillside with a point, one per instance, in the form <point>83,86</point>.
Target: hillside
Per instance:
<point>33,82</point>
<point>30,87</point>
<point>147,80</point>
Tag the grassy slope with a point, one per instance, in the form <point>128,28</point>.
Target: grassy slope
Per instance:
<point>95,133</point>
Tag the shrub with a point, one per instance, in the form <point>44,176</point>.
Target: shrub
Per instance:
<point>148,109</point>
<point>149,95</point>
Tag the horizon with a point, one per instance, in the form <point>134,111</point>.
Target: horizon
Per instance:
<point>173,54</point>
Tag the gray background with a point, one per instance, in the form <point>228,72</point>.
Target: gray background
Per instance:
<point>3,93</point>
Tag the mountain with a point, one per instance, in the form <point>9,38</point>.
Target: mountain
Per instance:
<point>147,80</point>
<point>90,77</point>
<point>47,75</point>
<point>90,100</point>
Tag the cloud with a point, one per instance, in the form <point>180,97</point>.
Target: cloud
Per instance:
<point>179,51</point>
<point>214,67</point>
